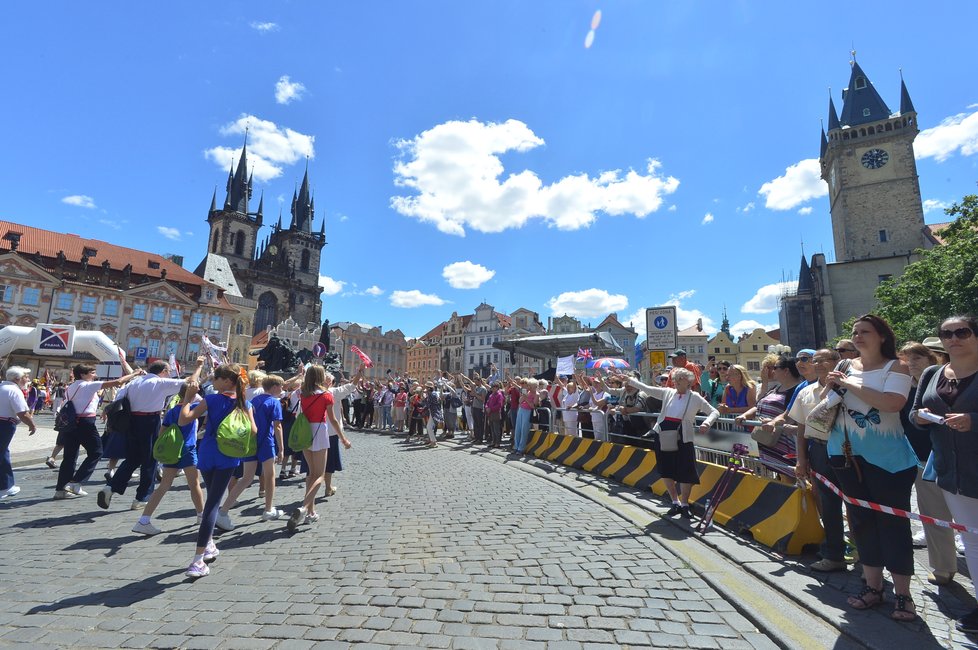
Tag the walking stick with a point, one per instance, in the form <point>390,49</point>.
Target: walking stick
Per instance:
<point>735,465</point>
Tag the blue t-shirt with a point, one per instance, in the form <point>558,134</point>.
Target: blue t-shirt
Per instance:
<point>189,431</point>
<point>268,410</point>
<point>209,457</point>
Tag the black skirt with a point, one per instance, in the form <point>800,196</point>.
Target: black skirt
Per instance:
<point>680,465</point>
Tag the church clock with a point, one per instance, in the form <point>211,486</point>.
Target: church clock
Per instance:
<point>875,158</point>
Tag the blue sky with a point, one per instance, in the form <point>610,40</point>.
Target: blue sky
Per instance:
<point>470,151</point>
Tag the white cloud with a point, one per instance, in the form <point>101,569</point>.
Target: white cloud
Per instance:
<point>270,147</point>
<point>330,286</point>
<point>672,208</point>
<point>934,204</point>
<point>747,208</point>
<point>455,170</point>
<point>801,182</point>
<point>748,326</point>
<point>466,275</point>
<point>707,218</point>
<point>958,133</point>
<point>684,317</point>
<point>414,298</point>
<point>264,28</point>
<point>765,300</point>
<point>373,291</point>
<point>114,225</point>
<point>79,200</point>
<point>169,233</point>
<point>286,90</point>
<point>343,218</point>
<point>805,210</point>
<point>587,303</point>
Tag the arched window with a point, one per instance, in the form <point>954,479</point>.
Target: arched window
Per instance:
<point>304,262</point>
<point>217,240</point>
<point>239,329</point>
<point>267,313</point>
<point>239,243</point>
<point>862,132</point>
<point>889,126</point>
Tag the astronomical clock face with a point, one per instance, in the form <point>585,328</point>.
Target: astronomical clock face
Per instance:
<point>875,158</point>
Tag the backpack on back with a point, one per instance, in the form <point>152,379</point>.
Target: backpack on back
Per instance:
<point>300,435</point>
<point>67,417</point>
<point>234,437</point>
<point>169,445</point>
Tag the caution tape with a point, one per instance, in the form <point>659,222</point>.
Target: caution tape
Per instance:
<point>924,519</point>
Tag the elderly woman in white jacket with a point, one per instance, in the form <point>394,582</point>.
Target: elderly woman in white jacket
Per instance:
<point>675,454</point>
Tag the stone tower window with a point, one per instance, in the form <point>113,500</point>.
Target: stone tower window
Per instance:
<point>860,83</point>
<point>239,243</point>
<point>304,262</point>
<point>217,239</point>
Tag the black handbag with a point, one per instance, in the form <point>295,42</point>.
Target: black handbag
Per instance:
<point>118,413</point>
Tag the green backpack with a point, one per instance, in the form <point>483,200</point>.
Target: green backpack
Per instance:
<point>300,435</point>
<point>234,437</point>
<point>169,445</point>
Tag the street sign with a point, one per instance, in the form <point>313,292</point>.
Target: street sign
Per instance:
<point>660,327</point>
<point>657,361</point>
<point>141,354</point>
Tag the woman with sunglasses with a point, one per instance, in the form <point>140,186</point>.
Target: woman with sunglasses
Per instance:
<point>874,461</point>
<point>949,393</point>
<point>846,349</point>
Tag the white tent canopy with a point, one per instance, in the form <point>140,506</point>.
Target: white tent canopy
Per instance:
<point>602,344</point>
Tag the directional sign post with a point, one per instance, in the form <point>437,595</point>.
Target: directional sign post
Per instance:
<point>660,327</point>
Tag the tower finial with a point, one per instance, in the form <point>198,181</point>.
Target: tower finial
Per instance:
<point>852,53</point>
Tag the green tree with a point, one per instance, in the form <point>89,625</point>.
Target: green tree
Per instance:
<point>943,282</point>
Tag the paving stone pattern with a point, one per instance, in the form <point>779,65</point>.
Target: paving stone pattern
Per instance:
<point>419,548</point>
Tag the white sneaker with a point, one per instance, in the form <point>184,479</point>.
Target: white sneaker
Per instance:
<point>60,495</point>
<point>76,489</point>
<point>959,544</point>
<point>104,497</point>
<point>271,515</point>
<point>9,492</point>
<point>197,569</point>
<point>919,541</point>
<point>146,529</point>
<point>137,505</point>
<point>298,516</point>
<point>224,521</point>
<point>211,552</point>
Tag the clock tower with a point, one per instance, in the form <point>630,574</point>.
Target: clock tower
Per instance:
<point>868,161</point>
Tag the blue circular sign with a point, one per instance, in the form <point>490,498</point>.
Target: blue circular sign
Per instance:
<point>660,322</point>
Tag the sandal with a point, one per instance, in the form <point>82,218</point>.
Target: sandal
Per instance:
<point>867,598</point>
<point>902,612</point>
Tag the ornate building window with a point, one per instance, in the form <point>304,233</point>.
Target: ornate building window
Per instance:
<point>65,300</point>
<point>159,314</point>
<point>176,316</point>
<point>216,322</point>
<point>153,347</point>
<point>139,311</point>
<point>31,296</point>
<point>110,308</point>
<point>197,320</point>
<point>88,304</point>
<point>267,313</point>
<point>6,293</point>
<point>239,241</point>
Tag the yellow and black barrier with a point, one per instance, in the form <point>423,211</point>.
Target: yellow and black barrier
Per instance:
<point>779,516</point>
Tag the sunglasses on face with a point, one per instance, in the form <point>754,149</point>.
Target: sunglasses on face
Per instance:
<point>844,350</point>
<point>803,359</point>
<point>961,333</point>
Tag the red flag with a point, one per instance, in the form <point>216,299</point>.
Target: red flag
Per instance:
<point>363,357</point>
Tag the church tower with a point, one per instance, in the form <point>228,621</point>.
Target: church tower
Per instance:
<point>868,161</point>
<point>234,230</point>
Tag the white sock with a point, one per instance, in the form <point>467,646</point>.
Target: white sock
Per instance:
<point>199,558</point>
<point>144,520</point>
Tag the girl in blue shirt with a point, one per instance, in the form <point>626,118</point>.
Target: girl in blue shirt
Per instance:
<point>216,468</point>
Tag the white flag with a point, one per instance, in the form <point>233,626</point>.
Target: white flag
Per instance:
<point>565,365</point>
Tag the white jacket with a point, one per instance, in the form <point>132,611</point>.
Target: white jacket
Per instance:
<point>697,404</point>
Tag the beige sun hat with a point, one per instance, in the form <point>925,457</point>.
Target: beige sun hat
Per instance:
<point>934,344</point>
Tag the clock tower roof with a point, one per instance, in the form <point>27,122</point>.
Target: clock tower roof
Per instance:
<point>861,103</point>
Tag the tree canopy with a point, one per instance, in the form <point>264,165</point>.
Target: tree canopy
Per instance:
<point>942,283</point>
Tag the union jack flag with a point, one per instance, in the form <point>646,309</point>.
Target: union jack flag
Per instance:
<point>583,354</point>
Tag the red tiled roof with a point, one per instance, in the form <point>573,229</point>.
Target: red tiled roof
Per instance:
<point>775,334</point>
<point>435,332</point>
<point>260,339</point>
<point>504,320</point>
<point>933,231</point>
<point>48,244</point>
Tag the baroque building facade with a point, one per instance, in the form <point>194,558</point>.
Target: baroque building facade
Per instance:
<point>279,271</point>
<point>139,299</point>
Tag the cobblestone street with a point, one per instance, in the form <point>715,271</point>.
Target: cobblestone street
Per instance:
<point>418,548</point>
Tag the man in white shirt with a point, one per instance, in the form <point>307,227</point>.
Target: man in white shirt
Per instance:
<point>13,408</point>
<point>83,394</point>
<point>147,399</point>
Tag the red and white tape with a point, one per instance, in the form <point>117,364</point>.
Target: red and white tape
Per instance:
<point>924,519</point>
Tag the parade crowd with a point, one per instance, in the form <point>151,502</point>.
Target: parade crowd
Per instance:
<point>872,419</point>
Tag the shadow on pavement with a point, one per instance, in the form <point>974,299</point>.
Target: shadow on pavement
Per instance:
<point>124,596</point>
<point>112,545</point>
